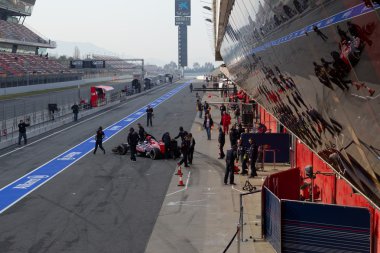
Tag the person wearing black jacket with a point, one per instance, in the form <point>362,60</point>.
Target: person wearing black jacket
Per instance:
<point>253,152</point>
<point>99,140</point>
<point>200,108</point>
<point>242,153</point>
<point>234,136</point>
<point>22,131</point>
<point>206,107</point>
<point>167,140</point>
<point>230,164</point>
<point>191,147</point>
<point>207,124</point>
<point>185,146</point>
<point>181,134</point>
<point>75,109</point>
<point>240,130</point>
<point>149,116</point>
<point>222,141</point>
<point>133,140</point>
<point>222,109</point>
<point>141,132</point>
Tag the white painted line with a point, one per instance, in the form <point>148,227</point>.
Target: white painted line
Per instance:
<point>184,189</point>
<point>60,131</point>
<point>233,188</point>
<point>189,205</point>
<point>184,202</point>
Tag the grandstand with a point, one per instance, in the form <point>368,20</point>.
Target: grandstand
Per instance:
<point>23,57</point>
<point>116,64</point>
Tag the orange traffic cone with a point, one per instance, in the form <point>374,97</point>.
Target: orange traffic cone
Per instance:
<point>179,172</point>
<point>180,181</point>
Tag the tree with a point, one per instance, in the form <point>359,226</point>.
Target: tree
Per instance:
<point>209,66</point>
<point>196,66</point>
<point>171,66</point>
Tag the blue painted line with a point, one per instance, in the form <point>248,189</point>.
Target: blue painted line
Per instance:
<point>351,13</point>
<point>17,190</point>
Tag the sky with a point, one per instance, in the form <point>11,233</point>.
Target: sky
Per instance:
<point>138,28</point>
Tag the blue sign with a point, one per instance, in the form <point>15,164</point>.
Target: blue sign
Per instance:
<point>182,8</point>
<point>14,192</point>
<point>348,14</point>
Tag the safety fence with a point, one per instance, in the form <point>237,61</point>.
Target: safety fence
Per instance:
<point>290,225</point>
<point>41,117</point>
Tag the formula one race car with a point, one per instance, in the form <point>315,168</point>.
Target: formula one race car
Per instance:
<point>150,148</point>
<point>156,149</point>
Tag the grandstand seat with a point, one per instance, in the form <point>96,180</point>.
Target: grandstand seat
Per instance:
<point>23,64</point>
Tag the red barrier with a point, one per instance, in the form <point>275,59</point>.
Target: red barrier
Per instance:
<point>285,184</point>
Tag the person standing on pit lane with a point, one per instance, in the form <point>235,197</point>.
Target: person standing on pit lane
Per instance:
<point>22,131</point>
<point>222,141</point>
<point>253,153</point>
<point>185,146</point>
<point>181,134</point>
<point>133,140</point>
<point>168,150</point>
<point>230,165</point>
<point>242,153</point>
<point>208,124</point>
<point>141,132</point>
<point>99,140</point>
<point>191,147</point>
<point>223,109</point>
<point>200,108</point>
<point>206,108</point>
<point>149,116</point>
<point>75,109</point>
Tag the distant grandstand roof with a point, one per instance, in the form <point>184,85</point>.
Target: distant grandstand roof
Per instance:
<point>16,7</point>
<point>14,33</point>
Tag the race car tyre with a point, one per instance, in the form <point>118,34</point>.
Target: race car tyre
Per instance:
<point>154,153</point>
<point>177,154</point>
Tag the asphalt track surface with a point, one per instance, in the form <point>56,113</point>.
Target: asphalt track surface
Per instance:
<point>102,203</point>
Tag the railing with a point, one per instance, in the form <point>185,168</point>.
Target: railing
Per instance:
<point>240,226</point>
<point>34,79</point>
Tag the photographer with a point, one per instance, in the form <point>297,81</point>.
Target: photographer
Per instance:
<point>22,131</point>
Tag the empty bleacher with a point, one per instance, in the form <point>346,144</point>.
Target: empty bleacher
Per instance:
<point>18,32</point>
<point>24,64</point>
<point>27,69</point>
